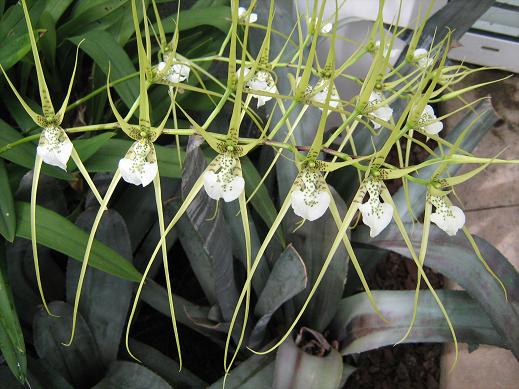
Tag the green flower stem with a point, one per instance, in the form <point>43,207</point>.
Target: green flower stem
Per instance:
<point>12,145</point>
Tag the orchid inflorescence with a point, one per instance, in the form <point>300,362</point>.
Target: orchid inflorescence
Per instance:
<point>420,78</point>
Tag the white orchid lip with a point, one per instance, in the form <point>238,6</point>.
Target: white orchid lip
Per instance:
<point>261,81</point>
<point>421,56</point>
<point>241,15</point>
<point>428,122</point>
<point>326,28</point>
<point>375,214</point>
<point>177,72</point>
<point>392,53</point>
<point>310,198</point>
<point>448,218</point>
<point>223,179</point>
<point>139,166</point>
<point>382,111</point>
<point>54,147</point>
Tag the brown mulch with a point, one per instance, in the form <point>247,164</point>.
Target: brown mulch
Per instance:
<point>413,366</point>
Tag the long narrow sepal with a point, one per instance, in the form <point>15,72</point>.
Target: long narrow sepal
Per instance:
<point>46,102</point>
<point>38,119</point>
<point>187,201</point>
<point>34,191</point>
<point>86,256</point>
<point>279,218</point>
<point>128,130</point>
<point>63,108</point>
<point>247,286</point>
<point>86,176</point>
<point>160,214</point>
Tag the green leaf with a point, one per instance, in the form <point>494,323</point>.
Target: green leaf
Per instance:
<point>47,42</point>
<point>131,375</point>
<point>166,367</point>
<point>313,241</point>
<point>12,345</point>
<point>287,278</point>
<point>297,369</point>
<point>253,373</point>
<point>7,213</point>
<point>455,258</point>
<point>206,238</point>
<point>105,51</point>
<point>79,363</point>
<point>262,201</point>
<point>108,156</point>
<point>85,13</point>
<point>219,17</point>
<point>86,148</point>
<point>359,329</point>
<point>60,234</point>
<point>105,299</point>
<point>13,50</point>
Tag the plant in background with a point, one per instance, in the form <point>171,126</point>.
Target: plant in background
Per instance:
<point>270,279</point>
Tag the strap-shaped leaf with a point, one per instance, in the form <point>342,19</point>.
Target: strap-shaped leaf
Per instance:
<point>60,234</point>
<point>7,212</point>
<point>455,258</point>
<point>12,345</point>
<point>358,329</point>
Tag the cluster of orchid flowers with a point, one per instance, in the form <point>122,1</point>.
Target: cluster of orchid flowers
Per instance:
<point>309,196</point>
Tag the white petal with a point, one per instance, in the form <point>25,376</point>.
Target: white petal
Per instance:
<point>429,111</point>
<point>299,206</point>
<point>56,154</point>
<point>234,189</point>
<point>420,53</point>
<point>253,18</point>
<point>433,128</point>
<point>311,213</point>
<point>128,173</point>
<point>383,113</point>
<point>211,185</point>
<point>241,11</point>
<point>449,223</point>
<point>161,66</point>
<point>150,170</point>
<point>326,28</point>
<point>376,221</point>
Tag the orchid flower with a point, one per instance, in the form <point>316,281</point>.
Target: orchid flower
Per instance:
<point>421,56</point>
<point>54,147</point>
<point>449,218</point>
<point>382,111</point>
<point>139,166</point>
<point>318,93</point>
<point>261,81</point>
<point>177,72</point>
<point>375,214</point>
<point>223,178</point>
<point>428,121</point>
<point>392,53</point>
<point>253,17</point>
<point>311,199</point>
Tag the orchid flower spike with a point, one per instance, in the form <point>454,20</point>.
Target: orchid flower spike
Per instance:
<point>318,93</point>
<point>177,71</point>
<point>421,56</point>
<point>54,147</point>
<point>449,218</point>
<point>310,198</point>
<point>428,122</point>
<point>375,214</point>
<point>223,178</point>
<point>139,166</point>
<point>253,17</point>
<point>382,111</point>
<point>262,81</point>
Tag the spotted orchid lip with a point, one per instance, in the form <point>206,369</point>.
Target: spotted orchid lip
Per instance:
<point>54,147</point>
<point>225,181</point>
<point>375,214</point>
<point>310,199</point>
